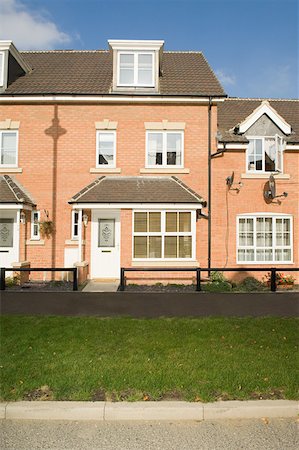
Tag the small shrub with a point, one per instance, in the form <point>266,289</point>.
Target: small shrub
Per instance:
<point>280,278</point>
<point>217,276</point>
<point>250,284</point>
<point>218,286</point>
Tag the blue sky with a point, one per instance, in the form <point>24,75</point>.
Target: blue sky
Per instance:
<point>252,45</point>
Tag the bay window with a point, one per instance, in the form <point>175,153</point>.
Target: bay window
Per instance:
<point>164,148</point>
<point>264,239</point>
<point>265,154</point>
<point>8,148</point>
<point>164,235</point>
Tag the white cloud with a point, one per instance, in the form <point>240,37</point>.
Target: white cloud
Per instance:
<point>27,29</point>
<point>225,78</point>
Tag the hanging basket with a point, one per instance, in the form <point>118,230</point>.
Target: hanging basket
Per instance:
<point>46,228</point>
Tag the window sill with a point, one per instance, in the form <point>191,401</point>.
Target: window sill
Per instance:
<point>264,263</point>
<point>35,242</point>
<point>105,170</point>
<point>164,170</point>
<point>10,170</point>
<point>73,242</point>
<point>279,176</point>
<point>163,263</point>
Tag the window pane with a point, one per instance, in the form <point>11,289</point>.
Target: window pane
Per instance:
<point>258,154</point>
<point>279,225</point>
<point>140,247</point>
<point>170,247</point>
<point>242,239</point>
<point>260,255</point>
<point>268,255</point>
<point>155,148</point>
<point>249,255</point>
<point>242,225</point>
<point>140,222</point>
<point>286,239</point>
<point>241,255</point>
<point>278,255</point>
<point>126,69</point>
<point>287,254</point>
<point>185,221</point>
<point>174,149</point>
<point>155,246</point>
<point>185,246</point>
<point>270,154</point>
<point>250,156</point>
<point>6,232</point>
<point>106,148</point>
<point>154,221</point>
<point>145,73</point>
<point>171,222</point>
<point>9,148</point>
<point>286,224</point>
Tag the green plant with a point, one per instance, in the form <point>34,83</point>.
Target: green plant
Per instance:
<point>12,281</point>
<point>218,286</point>
<point>250,284</point>
<point>217,276</point>
<point>280,278</point>
<point>46,228</point>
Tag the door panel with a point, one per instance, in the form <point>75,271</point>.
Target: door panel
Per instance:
<point>9,244</point>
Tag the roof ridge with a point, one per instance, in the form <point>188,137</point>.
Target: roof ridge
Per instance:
<point>260,99</point>
<point>183,51</point>
<point>187,188</point>
<point>87,188</point>
<point>64,51</point>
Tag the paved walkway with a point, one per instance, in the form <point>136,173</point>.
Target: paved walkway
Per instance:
<point>99,286</point>
<point>108,304</point>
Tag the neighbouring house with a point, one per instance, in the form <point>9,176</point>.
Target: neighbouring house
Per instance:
<point>134,156</point>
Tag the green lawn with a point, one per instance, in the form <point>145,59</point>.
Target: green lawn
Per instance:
<point>62,358</point>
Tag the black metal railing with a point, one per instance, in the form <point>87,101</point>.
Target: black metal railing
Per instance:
<point>199,270</point>
<point>39,269</point>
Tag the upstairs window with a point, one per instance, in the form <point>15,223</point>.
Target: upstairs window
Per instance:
<point>8,148</point>
<point>265,154</point>
<point>136,69</point>
<point>106,148</point>
<point>164,149</point>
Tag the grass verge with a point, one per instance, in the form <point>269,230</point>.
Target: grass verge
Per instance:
<point>200,359</point>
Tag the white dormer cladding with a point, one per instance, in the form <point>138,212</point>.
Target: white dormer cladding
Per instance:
<point>8,51</point>
<point>265,108</point>
<point>136,65</point>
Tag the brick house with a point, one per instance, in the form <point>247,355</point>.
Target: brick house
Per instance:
<point>125,158</point>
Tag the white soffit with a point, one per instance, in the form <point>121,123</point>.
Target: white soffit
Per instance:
<point>119,44</point>
<point>265,108</point>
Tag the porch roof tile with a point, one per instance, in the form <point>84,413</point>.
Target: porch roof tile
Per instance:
<point>136,190</point>
<point>12,192</point>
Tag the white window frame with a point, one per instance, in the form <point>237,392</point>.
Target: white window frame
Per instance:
<point>136,55</point>
<point>107,166</point>
<point>274,247</point>
<point>75,237</point>
<point>17,147</point>
<point>2,55</point>
<point>35,225</point>
<point>163,233</point>
<point>263,138</point>
<point>164,164</point>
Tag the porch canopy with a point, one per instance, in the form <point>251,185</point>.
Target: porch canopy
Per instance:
<point>127,192</point>
<point>13,195</point>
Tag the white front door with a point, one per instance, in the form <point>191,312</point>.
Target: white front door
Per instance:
<point>105,244</point>
<point>9,242</point>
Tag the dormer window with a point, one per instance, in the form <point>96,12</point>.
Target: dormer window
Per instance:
<point>136,69</point>
<point>264,154</point>
<point>1,68</point>
<point>136,65</point>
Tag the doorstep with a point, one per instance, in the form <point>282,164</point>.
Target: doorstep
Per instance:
<point>101,286</point>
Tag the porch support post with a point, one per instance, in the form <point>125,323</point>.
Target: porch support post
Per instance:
<point>18,233</point>
<point>80,234</point>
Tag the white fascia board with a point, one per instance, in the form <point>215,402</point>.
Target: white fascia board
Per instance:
<point>11,206</point>
<point>265,108</point>
<point>176,206</point>
<point>105,99</point>
<point>232,146</point>
<point>266,214</point>
<point>9,45</point>
<point>292,147</point>
<point>119,44</point>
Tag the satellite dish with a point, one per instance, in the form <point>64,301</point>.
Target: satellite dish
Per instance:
<point>270,190</point>
<point>230,180</point>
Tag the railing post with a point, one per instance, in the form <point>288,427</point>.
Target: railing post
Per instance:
<point>122,279</point>
<point>2,279</point>
<point>75,279</point>
<point>273,279</point>
<point>198,284</point>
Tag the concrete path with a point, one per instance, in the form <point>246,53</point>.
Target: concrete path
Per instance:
<point>139,305</point>
<point>100,286</point>
<point>273,434</point>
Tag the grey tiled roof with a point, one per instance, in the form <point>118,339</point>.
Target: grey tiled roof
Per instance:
<point>234,111</point>
<point>136,190</point>
<point>90,73</point>
<point>12,192</point>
